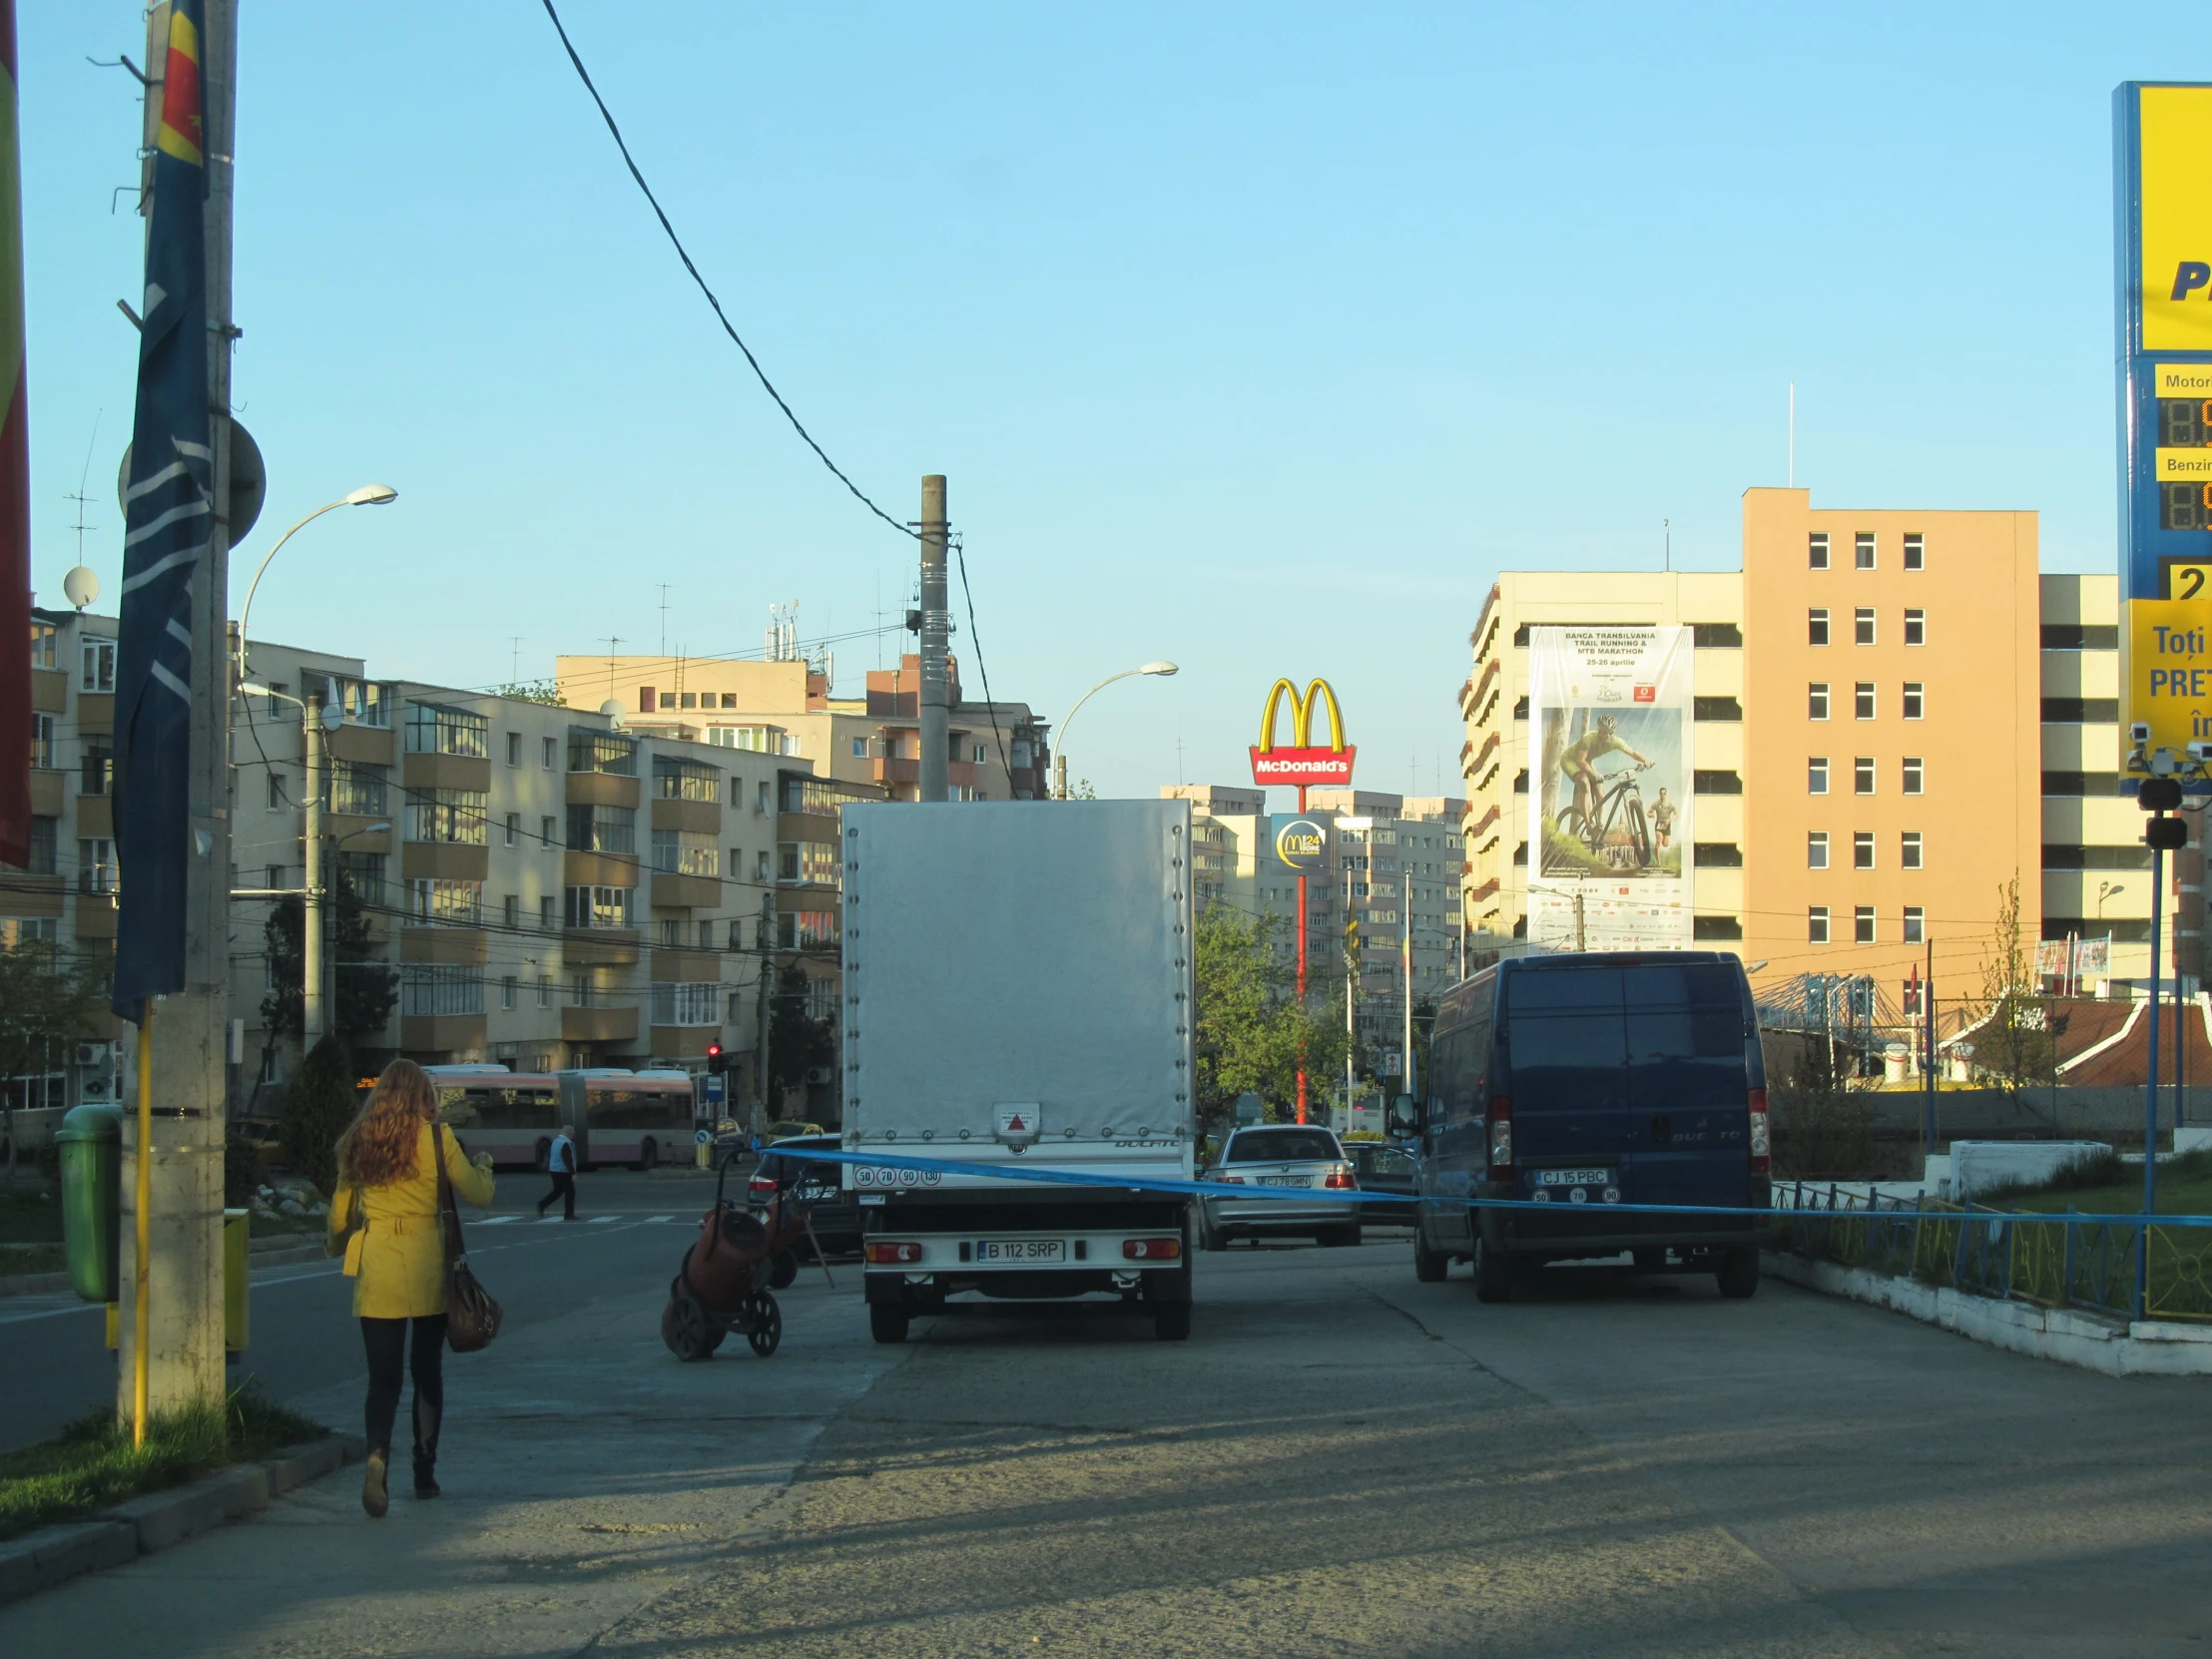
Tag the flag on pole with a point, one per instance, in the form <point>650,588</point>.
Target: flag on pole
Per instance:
<point>15,482</point>
<point>167,516</point>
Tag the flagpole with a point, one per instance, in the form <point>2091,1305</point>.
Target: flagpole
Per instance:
<point>142,1323</point>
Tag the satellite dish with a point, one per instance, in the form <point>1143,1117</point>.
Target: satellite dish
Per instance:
<point>81,586</point>
<point>248,482</point>
<point>613,710</point>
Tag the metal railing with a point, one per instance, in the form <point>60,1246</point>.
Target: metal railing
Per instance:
<point>2055,1259</point>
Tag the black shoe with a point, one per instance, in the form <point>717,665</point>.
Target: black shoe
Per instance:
<point>425,1480</point>
<point>374,1498</point>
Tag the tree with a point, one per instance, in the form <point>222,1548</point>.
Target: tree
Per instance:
<point>530,691</point>
<point>318,1107</point>
<point>48,997</point>
<point>365,990</point>
<point>796,1043</point>
<point>1250,1030</point>
<point>2017,1047</point>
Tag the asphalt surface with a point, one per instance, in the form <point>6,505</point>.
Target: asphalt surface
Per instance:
<point>1341,1460</point>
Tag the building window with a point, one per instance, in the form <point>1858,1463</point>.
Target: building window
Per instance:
<point>685,780</point>
<point>1862,925</point>
<point>674,854</point>
<point>1916,696</point>
<point>648,701</point>
<point>453,903</point>
<point>545,988</point>
<point>1717,855</point>
<point>507,991</point>
<point>430,990</point>
<point>1816,626</point>
<point>1915,924</point>
<point>860,749</point>
<point>514,829</point>
<point>607,752</point>
<point>515,751</point>
<point>1816,924</point>
<point>686,1003</point>
<point>806,929</point>
<point>510,915</point>
<point>760,740</point>
<point>602,829</point>
<point>1714,636</point>
<point>1862,550</point>
<point>453,816</point>
<point>1916,551</point>
<point>42,742</point>
<point>1861,624</point>
<point>580,990</point>
<point>1816,700</point>
<point>1915,627</point>
<point>96,865</point>
<point>277,797</point>
<point>548,833</point>
<point>1863,700</point>
<point>97,666</point>
<point>1914,775</point>
<point>359,787</point>
<point>1816,849</point>
<point>1816,774</point>
<point>363,872</point>
<point>599,907</point>
<point>275,878</point>
<point>548,916</point>
<point>436,730</point>
<point>764,865</point>
<point>2074,636</point>
<point>17,931</point>
<point>1816,550</point>
<point>672,934</point>
<point>45,638</point>
<point>1712,783</point>
<point>1908,850</point>
<point>2080,711</point>
<point>687,699</point>
<point>551,753</point>
<point>1862,849</point>
<point>1715,709</point>
<point>45,845</point>
<point>1861,775</point>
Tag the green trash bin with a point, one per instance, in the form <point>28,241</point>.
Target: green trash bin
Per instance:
<point>90,1141</point>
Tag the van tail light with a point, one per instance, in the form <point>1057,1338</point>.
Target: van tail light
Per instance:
<point>760,1186</point>
<point>888,1253</point>
<point>1501,1138</point>
<point>1341,1178</point>
<point>1762,1147</point>
<point>1230,1180</point>
<point>1151,1249</point>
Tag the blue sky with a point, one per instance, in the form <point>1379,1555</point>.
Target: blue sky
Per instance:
<point>1254,336</point>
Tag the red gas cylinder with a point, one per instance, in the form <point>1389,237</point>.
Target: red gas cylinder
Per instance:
<point>722,1262</point>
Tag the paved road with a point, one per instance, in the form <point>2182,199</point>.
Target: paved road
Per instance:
<point>1341,1460</point>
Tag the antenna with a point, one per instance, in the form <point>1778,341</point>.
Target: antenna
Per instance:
<point>612,640</point>
<point>1666,527</point>
<point>79,495</point>
<point>664,587</point>
<point>515,665</point>
<point>1793,434</point>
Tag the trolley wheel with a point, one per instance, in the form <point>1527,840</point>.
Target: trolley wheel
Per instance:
<point>687,1331</point>
<point>1639,833</point>
<point>784,1270</point>
<point>886,1323</point>
<point>764,1322</point>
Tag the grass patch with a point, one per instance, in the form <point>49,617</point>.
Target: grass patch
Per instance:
<point>2106,1186</point>
<point>92,1463</point>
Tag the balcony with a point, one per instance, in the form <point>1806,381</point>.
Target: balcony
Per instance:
<point>599,869</point>
<point>443,861</point>
<point>678,1042</point>
<point>95,915</point>
<point>684,893</point>
<point>446,772</point>
<point>604,789</point>
<point>46,793</point>
<point>466,945</point>
<point>701,817</point>
<point>25,894</point>
<point>48,691</point>
<point>442,1037</point>
<point>96,714</point>
<point>599,1025</point>
<point>600,948</point>
<point>368,744</point>
<point>680,967</point>
<point>96,815</point>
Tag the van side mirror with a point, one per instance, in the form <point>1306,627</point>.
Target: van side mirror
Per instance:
<point>1404,1116</point>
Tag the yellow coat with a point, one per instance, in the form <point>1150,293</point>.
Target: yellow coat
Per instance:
<point>397,1260</point>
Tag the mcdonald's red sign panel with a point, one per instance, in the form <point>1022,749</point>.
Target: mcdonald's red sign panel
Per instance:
<point>1304,764</point>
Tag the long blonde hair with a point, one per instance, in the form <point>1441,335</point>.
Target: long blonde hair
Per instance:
<point>378,1147</point>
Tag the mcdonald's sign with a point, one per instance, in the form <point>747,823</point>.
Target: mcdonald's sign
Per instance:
<point>1303,764</point>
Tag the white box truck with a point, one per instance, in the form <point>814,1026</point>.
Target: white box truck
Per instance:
<point>1018,994</point>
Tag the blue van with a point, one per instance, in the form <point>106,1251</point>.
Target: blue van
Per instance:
<point>1582,1082</point>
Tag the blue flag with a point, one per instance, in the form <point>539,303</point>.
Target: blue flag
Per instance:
<point>168,518</point>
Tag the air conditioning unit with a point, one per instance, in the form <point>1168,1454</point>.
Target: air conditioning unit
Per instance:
<point>92,1054</point>
<point>95,1088</point>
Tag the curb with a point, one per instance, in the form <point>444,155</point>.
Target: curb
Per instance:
<point>2070,1337</point>
<point>55,1554</point>
<point>281,1253</point>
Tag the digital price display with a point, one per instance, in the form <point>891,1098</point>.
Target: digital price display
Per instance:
<point>2183,461</point>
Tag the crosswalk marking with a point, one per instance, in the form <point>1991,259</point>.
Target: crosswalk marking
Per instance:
<point>601,1221</point>
<point>651,1219</point>
<point>497,1221</point>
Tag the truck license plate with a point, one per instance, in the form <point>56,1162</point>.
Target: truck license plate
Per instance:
<point>1020,1250</point>
<point>1575,1178</point>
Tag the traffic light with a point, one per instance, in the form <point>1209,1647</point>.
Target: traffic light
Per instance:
<point>716,1064</point>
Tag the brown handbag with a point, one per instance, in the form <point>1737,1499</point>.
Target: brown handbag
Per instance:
<point>471,1316</point>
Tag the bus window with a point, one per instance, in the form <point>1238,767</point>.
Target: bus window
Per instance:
<point>641,1108</point>
<point>517,1108</point>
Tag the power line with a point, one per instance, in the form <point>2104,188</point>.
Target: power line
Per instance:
<point>677,242</point>
<point>959,548</point>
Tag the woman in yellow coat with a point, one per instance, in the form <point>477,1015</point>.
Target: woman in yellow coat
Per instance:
<point>385,1213</point>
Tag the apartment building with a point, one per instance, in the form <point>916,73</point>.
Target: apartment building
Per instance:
<point>996,750</point>
<point>65,896</point>
<point>550,887</point>
<point>1930,716</point>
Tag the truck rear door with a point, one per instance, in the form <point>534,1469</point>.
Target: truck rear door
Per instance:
<point>1567,1045</point>
<point>1687,1111</point>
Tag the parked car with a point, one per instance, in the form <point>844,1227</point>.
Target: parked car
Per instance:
<point>836,1213</point>
<point>790,1128</point>
<point>1583,1082</point>
<point>1298,1156</point>
<point>1383,1169</point>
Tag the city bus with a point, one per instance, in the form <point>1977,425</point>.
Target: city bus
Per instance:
<point>639,1118</point>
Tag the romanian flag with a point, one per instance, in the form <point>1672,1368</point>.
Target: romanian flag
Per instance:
<point>169,516</point>
<point>15,483</point>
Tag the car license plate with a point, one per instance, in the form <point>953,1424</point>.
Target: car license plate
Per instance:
<point>1020,1250</point>
<point>1575,1178</point>
<point>1285,1181</point>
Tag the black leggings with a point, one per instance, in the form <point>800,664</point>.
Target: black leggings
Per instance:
<point>385,1339</point>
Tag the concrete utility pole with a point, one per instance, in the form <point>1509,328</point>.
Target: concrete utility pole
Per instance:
<point>184,1340</point>
<point>314,745</point>
<point>765,1007</point>
<point>937,733</point>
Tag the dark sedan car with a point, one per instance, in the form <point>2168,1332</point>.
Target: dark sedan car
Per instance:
<point>835,1212</point>
<point>1383,1169</point>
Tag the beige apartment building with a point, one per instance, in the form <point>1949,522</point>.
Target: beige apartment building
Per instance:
<point>1894,715</point>
<point>997,751</point>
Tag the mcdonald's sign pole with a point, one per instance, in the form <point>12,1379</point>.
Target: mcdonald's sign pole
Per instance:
<point>1300,767</point>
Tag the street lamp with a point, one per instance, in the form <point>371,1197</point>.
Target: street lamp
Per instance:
<point>368,495</point>
<point>2106,889</point>
<point>1060,733</point>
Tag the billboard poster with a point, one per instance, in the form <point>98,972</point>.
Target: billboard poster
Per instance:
<point>1609,802</point>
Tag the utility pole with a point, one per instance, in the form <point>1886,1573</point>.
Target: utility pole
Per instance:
<point>177,1334</point>
<point>312,745</point>
<point>764,1006</point>
<point>936,735</point>
<point>1406,969</point>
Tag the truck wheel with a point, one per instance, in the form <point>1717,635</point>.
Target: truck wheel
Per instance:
<point>1738,1276</point>
<point>1429,1266</point>
<point>1493,1275</point>
<point>887,1324</point>
<point>784,1270</point>
<point>1172,1324</point>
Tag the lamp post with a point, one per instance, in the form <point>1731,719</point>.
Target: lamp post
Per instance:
<point>368,495</point>
<point>1059,737</point>
<point>317,722</point>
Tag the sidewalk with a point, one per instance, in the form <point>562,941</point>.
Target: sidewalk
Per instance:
<point>586,1471</point>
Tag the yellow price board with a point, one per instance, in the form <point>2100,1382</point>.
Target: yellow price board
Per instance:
<point>2169,665</point>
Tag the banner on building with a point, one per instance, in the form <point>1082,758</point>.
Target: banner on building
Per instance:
<point>1609,804</point>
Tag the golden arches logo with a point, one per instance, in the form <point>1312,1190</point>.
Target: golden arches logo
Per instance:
<point>1302,717</point>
